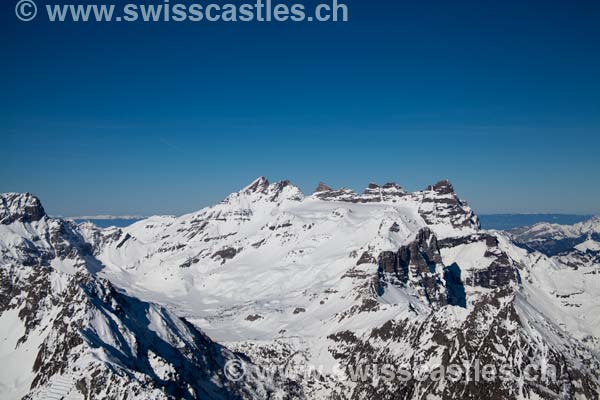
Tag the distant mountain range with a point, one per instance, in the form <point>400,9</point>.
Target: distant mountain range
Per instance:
<point>511,221</point>
<point>272,278</point>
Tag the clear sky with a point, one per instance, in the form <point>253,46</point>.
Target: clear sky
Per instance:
<point>502,98</point>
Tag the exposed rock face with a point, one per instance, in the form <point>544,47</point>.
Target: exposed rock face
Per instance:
<point>442,187</point>
<point>420,264</point>
<point>261,184</point>
<point>20,207</point>
<point>366,258</point>
<point>440,203</point>
<point>60,240</point>
<point>393,187</point>
<point>322,188</point>
<point>372,194</point>
<point>225,254</point>
<point>83,331</point>
<point>375,193</point>
<point>501,272</point>
<point>343,194</point>
<point>179,361</point>
<point>497,331</point>
<point>372,188</point>
<point>493,334</point>
<point>260,190</point>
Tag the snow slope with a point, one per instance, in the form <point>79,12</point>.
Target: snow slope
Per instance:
<point>337,278</point>
<point>67,333</point>
<point>270,271</point>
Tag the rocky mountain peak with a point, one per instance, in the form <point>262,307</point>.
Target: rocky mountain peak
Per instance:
<point>440,204</point>
<point>392,185</point>
<point>22,207</point>
<point>442,187</point>
<point>418,264</point>
<point>372,189</point>
<point>262,190</point>
<point>260,184</point>
<point>389,189</point>
<point>322,188</point>
<point>284,190</point>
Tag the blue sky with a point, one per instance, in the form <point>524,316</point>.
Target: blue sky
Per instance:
<point>502,98</point>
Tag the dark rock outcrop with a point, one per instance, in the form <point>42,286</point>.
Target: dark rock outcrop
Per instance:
<point>366,258</point>
<point>500,273</point>
<point>493,335</point>
<point>415,264</point>
<point>419,265</point>
<point>442,187</point>
<point>20,207</point>
<point>322,188</point>
<point>259,185</point>
<point>440,204</point>
<point>225,254</point>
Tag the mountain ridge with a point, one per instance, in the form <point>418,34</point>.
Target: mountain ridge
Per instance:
<point>337,278</point>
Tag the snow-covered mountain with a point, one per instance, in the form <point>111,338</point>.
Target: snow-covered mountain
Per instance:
<point>576,249</point>
<point>552,239</point>
<point>339,280</point>
<point>575,245</point>
<point>66,332</point>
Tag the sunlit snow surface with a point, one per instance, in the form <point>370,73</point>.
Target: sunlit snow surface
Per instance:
<point>299,263</point>
<point>294,253</point>
<point>271,267</point>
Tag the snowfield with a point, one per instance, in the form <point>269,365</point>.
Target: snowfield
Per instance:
<point>331,279</point>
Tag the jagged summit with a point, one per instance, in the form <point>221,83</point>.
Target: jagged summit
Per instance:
<point>23,207</point>
<point>261,189</point>
<point>387,191</point>
<point>260,184</point>
<point>372,193</point>
<point>442,187</point>
<point>322,188</point>
<point>392,185</point>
